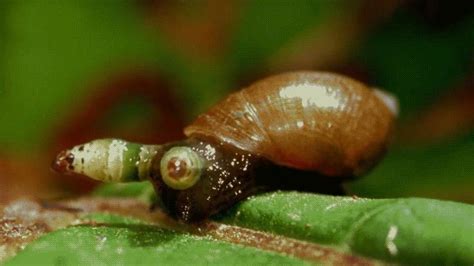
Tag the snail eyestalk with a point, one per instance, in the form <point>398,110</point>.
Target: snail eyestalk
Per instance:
<point>108,160</point>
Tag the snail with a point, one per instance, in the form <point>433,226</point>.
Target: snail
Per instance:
<point>297,130</point>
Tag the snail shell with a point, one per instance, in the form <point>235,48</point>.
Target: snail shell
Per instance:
<point>313,121</point>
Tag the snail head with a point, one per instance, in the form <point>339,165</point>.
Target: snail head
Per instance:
<point>197,178</point>
<point>193,178</point>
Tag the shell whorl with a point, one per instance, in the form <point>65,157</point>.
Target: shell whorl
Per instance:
<point>315,121</point>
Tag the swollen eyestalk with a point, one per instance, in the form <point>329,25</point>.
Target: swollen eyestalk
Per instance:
<point>108,160</point>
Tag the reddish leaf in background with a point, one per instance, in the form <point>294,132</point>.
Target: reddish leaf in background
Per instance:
<point>200,30</point>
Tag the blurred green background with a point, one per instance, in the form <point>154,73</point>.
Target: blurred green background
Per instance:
<point>71,71</point>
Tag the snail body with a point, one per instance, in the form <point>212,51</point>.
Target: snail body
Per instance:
<point>293,128</point>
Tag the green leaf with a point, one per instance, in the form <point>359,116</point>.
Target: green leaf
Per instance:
<point>407,231</point>
<point>120,241</point>
<point>425,230</point>
<point>411,230</point>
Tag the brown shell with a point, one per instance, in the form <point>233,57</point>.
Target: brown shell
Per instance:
<point>314,121</point>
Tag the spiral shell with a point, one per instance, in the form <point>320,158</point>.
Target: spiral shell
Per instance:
<point>314,121</point>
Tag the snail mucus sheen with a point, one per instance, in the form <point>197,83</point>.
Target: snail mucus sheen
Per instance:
<point>306,131</point>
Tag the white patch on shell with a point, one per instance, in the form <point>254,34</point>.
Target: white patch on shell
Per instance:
<point>315,95</point>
